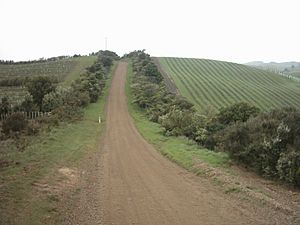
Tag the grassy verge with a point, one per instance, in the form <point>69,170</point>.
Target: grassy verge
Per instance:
<point>22,201</point>
<point>178,149</point>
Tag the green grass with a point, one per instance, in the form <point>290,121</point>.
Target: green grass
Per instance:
<point>82,63</point>
<point>178,149</point>
<point>232,190</point>
<point>63,146</point>
<point>215,84</point>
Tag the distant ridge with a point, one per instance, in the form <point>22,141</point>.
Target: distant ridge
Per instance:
<point>291,68</point>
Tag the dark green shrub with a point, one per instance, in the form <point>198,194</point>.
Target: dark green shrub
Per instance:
<point>90,84</point>
<point>288,167</point>
<point>28,105</point>
<point>52,100</point>
<point>33,127</point>
<point>16,122</point>
<point>268,143</point>
<point>180,123</point>
<point>239,112</point>
<point>83,98</point>
<point>68,113</point>
<point>4,105</point>
<point>110,54</point>
<point>49,121</point>
<point>150,70</point>
<point>106,61</point>
<point>39,87</point>
<point>96,67</point>
<point>235,141</point>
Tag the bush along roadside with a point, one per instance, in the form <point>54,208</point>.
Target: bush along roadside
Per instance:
<point>267,142</point>
<point>34,189</point>
<point>62,104</point>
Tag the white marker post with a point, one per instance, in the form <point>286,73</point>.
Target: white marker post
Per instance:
<point>99,118</point>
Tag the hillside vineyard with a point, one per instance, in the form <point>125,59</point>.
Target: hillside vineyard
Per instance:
<point>211,83</point>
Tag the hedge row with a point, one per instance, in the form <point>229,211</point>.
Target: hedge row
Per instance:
<point>267,142</point>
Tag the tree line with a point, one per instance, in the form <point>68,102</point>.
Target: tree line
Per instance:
<point>41,60</point>
<point>22,81</point>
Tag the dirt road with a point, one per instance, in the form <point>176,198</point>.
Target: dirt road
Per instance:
<point>134,184</point>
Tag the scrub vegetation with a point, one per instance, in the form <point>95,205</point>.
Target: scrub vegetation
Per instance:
<point>38,156</point>
<point>264,141</point>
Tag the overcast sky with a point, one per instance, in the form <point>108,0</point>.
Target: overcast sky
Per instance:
<point>231,30</point>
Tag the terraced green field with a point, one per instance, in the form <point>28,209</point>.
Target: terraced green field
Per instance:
<point>66,70</point>
<point>215,84</point>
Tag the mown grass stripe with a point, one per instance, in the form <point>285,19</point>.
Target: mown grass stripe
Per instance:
<point>189,84</point>
<point>235,79</point>
<point>204,87</point>
<point>217,83</point>
<point>234,95</point>
<point>235,90</point>
<point>274,91</point>
<point>202,95</point>
<point>183,87</point>
<point>211,81</point>
<point>266,93</point>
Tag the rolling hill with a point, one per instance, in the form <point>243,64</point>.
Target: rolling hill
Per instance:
<point>215,84</point>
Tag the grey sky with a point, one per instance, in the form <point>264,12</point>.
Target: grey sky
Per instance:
<point>231,30</point>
